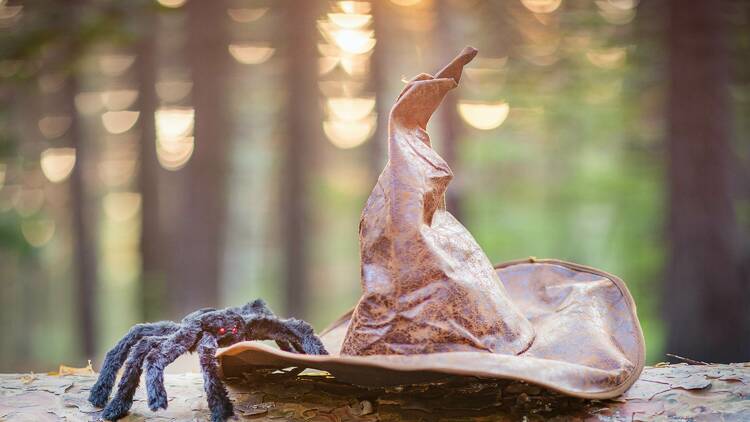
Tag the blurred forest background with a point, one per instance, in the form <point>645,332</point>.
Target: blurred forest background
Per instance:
<point>161,156</point>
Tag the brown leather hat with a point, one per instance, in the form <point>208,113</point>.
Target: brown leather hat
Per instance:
<point>433,304</point>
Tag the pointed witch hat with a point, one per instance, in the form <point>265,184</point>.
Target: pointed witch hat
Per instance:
<point>433,305</point>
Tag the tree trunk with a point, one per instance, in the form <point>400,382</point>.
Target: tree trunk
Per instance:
<point>376,154</point>
<point>151,287</point>
<point>450,124</point>
<point>675,392</point>
<point>84,228</point>
<point>706,302</point>
<point>199,233</point>
<point>302,134</point>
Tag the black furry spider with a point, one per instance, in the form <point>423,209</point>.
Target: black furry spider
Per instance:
<point>156,345</point>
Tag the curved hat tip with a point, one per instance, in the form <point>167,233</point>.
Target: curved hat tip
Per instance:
<point>455,67</point>
<point>424,93</point>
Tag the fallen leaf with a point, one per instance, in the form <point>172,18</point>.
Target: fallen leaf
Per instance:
<point>69,370</point>
<point>28,378</point>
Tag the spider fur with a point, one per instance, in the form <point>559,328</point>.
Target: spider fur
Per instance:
<point>153,346</point>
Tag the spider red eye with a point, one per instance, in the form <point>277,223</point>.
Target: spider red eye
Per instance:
<point>222,330</point>
<point>234,330</point>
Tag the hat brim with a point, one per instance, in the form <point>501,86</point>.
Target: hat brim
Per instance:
<point>588,340</point>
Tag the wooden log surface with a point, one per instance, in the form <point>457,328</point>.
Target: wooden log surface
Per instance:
<point>666,392</point>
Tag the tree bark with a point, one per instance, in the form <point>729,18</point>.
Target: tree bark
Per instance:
<point>199,234</point>
<point>676,392</point>
<point>302,134</point>
<point>706,301</point>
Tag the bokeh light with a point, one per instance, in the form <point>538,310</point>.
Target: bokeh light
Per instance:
<point>353,41</point>
<point>345,108</point>
<point>349,134</point>
<point>121,206</point>
<point>174,143</point>
<point>247,53</point>
<point>115,64</point>
<point>246,15</point>
<point>173,154</point>
<point>116,122</point>
<point>483,115</point>
<point>349,20</point>
<point>53,127</point>
<point>542,6</point>
<point>406,3</point>
<point>39,231</point>
<point>609,58</point>
<point>172,4</point>
<point>57,163</point>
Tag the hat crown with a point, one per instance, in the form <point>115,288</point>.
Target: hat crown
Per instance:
<point>427,285</point>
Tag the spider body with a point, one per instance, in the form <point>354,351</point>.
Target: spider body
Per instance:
<point>153,346</point>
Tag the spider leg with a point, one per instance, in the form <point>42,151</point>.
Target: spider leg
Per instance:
<point>123,399</point>
<point>216,393</point>
<point>116,357</point>
<point>295,333</point>
<point>157,359</point>
<point>258,308</point>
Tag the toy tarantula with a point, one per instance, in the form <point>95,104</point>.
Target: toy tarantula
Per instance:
<point>154,346</point>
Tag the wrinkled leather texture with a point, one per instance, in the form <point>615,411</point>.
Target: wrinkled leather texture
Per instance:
<point>433,305</point>
<point>428,286</point>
